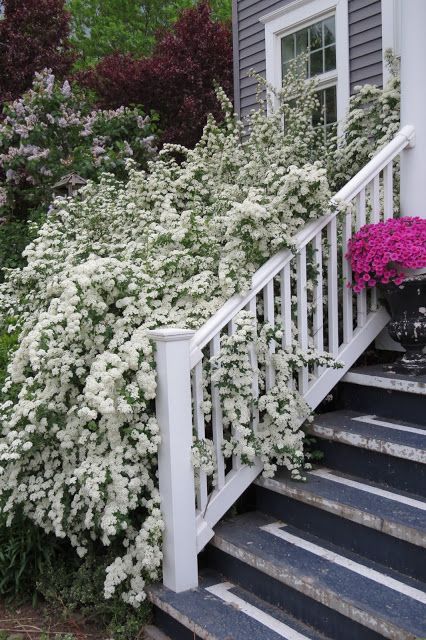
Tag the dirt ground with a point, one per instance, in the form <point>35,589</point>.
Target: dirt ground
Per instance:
<point>43,623</point>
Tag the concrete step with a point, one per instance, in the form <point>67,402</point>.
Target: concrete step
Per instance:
<point>369,519</point>
<point>376,448</point>
<point>393,395</point>
<point>334,590</point>
<point>221,610</point>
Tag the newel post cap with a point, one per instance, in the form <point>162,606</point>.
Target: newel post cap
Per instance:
<point>170,334</point>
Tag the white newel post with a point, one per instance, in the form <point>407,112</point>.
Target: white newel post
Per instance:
<point>413,106</point>
<point>176,474</point>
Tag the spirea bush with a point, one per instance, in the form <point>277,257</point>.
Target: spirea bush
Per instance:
<point>53,130</point>
<point>168,247</point>
<point>372,121</point>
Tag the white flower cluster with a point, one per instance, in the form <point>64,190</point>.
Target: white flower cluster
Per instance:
<point>266,424</point>
<point>78,450</point>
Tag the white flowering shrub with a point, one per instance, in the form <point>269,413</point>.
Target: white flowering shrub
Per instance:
<point>168,247</point>
<point>373,120</point>
<point>277,438</point>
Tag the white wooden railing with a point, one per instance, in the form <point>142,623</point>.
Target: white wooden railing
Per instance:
<point>337,322</point>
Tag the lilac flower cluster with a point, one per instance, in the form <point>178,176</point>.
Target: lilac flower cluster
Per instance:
<point>379,252</point>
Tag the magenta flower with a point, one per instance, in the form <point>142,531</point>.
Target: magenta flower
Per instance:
<point>378,252</point>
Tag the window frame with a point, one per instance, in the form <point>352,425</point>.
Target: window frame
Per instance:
<point>299,14</point>
<point>391,32</point>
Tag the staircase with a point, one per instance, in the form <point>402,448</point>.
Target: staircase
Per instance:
<point>339,557</point>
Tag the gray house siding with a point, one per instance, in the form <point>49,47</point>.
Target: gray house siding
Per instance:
<point>365,45</point>
<point>365,42</point>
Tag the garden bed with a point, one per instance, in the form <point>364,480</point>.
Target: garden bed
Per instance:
<point>43,622</point>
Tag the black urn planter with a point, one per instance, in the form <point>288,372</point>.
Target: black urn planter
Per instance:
<point>407,306</point>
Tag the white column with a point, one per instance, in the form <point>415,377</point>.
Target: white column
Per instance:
<point>413,101</point>
<point>176,473</point>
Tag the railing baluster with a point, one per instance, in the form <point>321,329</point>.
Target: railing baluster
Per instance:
<point>333,299</point>
<point>197,395</point>
<point>388,190</point>
<point>318,296</point>
<point>375,195</point>
<point>252,308</point>
<point>361,299</point>
<point>318,300</point>
<point>347,277</point>
<point>268,301</point>
<point>302,314</point>
<point>286,320</point>
<point>236,464</point>
<point>217,419</point>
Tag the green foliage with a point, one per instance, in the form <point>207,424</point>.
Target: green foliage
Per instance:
<point>14,237</point>
<point>74,585</point>
<point>102,27</point>
<point>7,342</point>
<point>25,553</point>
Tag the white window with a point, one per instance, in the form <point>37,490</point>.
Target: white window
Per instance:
<point>320,28</point>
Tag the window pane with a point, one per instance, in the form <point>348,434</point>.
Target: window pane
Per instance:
<point>330,105</point>
<point>285,69</point>
<point>301,41</point>
<point>316,36</point>
<point>316,63</point>
<point>318,114</point>
<point>329,31</point>
<point>330,58</point>
<point>287,44</point>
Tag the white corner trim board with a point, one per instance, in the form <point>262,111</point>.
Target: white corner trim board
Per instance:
<point>278,529</point>
<point>222,591</point>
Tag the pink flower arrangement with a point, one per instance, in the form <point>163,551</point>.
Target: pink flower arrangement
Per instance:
<point>378,252</point>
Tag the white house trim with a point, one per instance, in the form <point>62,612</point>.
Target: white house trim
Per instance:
<point>391,31</point>
<point>301,13</point>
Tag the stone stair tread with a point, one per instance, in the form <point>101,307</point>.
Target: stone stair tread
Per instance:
<point>396,513</point>
<point>220,610</point>
<point>377,376</point>
<point>368,593</point>
<point>393,437</point>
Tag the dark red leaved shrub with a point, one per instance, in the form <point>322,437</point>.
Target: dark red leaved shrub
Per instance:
<point>33,36</point>
<point>178,81</point>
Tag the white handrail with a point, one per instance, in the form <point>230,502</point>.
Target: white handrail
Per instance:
<point>274,265</point>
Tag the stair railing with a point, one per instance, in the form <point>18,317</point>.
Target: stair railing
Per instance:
<point>337,321</point>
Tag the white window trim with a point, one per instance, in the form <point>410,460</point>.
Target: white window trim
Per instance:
<point>298,14</point>
<point>391,31</point>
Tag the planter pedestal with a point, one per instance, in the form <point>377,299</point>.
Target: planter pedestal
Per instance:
<point>407,305</point>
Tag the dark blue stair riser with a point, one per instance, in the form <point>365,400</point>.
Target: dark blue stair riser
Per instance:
<point>370,543</point>
<point>399,473</point>
<point>308,611</point>
<point>175,630</point>
<point>398,405</point>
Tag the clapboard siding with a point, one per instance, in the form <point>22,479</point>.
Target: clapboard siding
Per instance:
<point>365,42</point>
<point>250,54</point>
<point>365,45</point>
